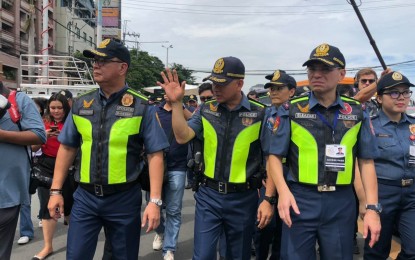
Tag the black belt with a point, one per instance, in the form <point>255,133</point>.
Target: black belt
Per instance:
<point>105,190</point>
<point>227,187</point>
<point>399,183</point>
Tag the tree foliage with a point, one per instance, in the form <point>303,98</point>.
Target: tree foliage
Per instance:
<point>145,70</point>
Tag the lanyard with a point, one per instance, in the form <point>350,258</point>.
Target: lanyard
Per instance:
<point>331,126</point>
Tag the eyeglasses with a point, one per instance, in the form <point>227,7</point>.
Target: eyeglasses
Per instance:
<point>278,88</point>
<point>101,61</point>
<point>396,94</point>
<point>367,80</point>
<point>323,69</point>
<point>205,98</point>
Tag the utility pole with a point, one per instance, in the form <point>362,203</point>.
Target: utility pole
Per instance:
<point>99,22</point>
<point>125,31</point>
<point>167,56</point>
<point>71,46</point>
<point>31,43</point>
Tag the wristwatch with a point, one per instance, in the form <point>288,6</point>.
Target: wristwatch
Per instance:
<point>376,207</point>
<point>158,202</point>
<point>272,200</point>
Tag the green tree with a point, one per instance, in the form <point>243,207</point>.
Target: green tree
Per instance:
<point>144,70</point>
<point>184,74</point>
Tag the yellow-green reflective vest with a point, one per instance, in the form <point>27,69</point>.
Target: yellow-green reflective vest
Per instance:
<point>231,141</point>
<point>110,142</point>
<point>309,136</point>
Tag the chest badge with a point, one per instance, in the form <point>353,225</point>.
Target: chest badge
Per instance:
<point>127,100</point>
<point>213,107</point>
<point>247,121</point>
<point>304,109</point>
<point>87,104</point>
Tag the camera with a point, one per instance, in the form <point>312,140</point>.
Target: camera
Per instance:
<point>53,128</point>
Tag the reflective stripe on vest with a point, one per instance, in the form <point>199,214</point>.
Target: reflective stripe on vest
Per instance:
<point>120,132</point>
<point>240,150</point>
<point>349,140</point>
<point>210,145</point>
<point>84,127</point>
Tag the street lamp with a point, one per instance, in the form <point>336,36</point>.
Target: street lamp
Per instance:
<point>167,56</point>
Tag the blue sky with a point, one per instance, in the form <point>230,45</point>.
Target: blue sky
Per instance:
<point>269,35</point>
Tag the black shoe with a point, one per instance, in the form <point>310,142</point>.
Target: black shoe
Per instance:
<point>188,186</point>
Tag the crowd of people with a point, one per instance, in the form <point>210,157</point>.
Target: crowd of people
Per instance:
<point>279,179</point>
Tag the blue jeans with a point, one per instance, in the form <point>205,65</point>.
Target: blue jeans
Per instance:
<point>173,191</point>
<point>26,224</point>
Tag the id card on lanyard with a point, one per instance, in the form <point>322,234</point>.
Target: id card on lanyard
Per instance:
<point>334,156</point>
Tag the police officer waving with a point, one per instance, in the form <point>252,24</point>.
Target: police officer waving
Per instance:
<point>230,128</point>
<point>308,131</point>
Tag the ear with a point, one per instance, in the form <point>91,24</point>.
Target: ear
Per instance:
<point>379,99</point>
<point>292,92</point>
<point>240,84</point>
<point>123,68</point>
<point>342,74</point>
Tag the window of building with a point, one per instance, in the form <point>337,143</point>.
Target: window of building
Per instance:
<point>78,32</point>
<point>90,40</point>
<point>84,36</point>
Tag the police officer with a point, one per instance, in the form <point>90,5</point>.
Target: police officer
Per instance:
<point>395,167</point>
<point>281,88</point>
<point>110,126</point>
<point>230,128</point>
<point>316,202</point>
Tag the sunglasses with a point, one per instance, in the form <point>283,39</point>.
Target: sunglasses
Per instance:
<point>205,98</point>
<point>370,81</point>
<point>396,94</point>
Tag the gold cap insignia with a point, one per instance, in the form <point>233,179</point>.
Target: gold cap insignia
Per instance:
<point>219,64</point>
<point>104,43</point>
<point>397,76</point>
<point>322,50</point>
<point>127,100</point>
<point>276,75</point>
<point>87,104</point>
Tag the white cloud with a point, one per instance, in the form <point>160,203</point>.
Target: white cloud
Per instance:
<point>279,34</point>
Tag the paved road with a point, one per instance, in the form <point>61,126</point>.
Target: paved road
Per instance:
<point>185,246</point>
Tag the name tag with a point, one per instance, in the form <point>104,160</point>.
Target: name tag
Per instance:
<point>383,135</point>
<point>86,112</point>
<point>248,114</point>
<point>335,157</point>
<point>347,117</point>
<point>305,115</point>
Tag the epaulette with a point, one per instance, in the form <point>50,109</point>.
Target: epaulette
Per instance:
<point>298,99</point>
<point>137,93</point>
<point>256,102</point>
<point>86,93</point>
<point>349,99</point>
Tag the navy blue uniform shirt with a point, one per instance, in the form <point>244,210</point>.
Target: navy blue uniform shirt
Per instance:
<point>393,143</point>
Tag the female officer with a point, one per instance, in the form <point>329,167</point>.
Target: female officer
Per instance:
<point>395,167</point>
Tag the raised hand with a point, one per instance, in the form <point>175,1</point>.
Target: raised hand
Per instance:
<point>171,85</point>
